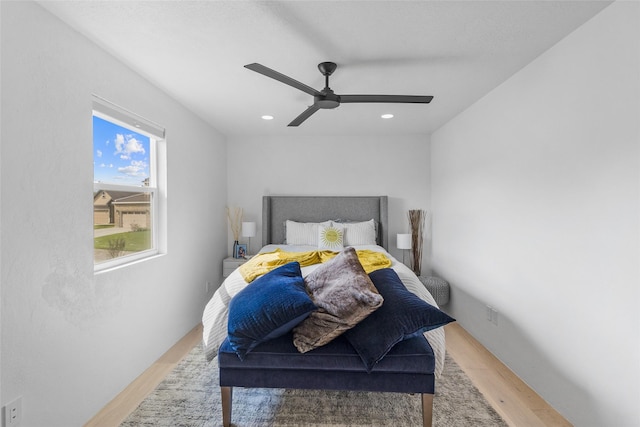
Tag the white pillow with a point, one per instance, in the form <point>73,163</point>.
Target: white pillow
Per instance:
<point>359,233</point>
<point>303,233</point>
<point>330,237</point>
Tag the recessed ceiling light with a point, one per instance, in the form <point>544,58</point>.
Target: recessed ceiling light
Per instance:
<point>386,116</point>
<point>267,117</point>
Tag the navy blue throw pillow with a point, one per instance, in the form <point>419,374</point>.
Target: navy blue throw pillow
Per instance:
<point>402,315</point>
<point>267,308</point>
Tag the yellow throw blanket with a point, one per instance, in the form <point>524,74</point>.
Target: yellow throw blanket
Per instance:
<point>265,262</point>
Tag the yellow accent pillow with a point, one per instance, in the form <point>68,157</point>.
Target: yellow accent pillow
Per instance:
<point>331,237</point>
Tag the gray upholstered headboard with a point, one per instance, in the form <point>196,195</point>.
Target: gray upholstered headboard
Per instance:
<point>277,209</point>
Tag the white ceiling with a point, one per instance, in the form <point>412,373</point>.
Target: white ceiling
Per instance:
<point>195,51</point>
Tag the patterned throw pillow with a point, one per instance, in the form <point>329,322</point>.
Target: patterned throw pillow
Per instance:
<point>331,237</point>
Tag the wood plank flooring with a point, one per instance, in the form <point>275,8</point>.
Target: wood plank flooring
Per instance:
<point>116,411</point>
<point>516,402</point>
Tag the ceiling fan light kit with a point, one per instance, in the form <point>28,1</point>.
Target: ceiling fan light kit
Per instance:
<point>326,98</point>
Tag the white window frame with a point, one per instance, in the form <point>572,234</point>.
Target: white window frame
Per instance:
<point>157,180</point>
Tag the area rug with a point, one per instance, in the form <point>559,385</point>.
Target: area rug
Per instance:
<point>190,397</point>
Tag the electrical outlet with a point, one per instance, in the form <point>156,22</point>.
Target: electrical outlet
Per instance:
<point>492,315</point>
<point>13,413</point>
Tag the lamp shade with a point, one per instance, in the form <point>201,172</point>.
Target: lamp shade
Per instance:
<point>404,241</point>
<point>248,229</point>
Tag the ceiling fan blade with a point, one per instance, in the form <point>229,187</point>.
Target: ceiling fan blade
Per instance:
<point>258,68</point>
<point>407,99</point>
<point>304,116</point>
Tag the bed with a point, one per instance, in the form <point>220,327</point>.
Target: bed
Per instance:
<point>409,366</point>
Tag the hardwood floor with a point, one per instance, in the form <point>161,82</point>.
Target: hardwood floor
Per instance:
<point>116,411</point>
<point>516,402</point>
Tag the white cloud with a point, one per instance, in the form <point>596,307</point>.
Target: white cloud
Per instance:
<point>136,168</point>
<point>127,145</point>
<point>139,164</point>
<point>119,142</point>
<point>98,153</point>
<point>129,170</point>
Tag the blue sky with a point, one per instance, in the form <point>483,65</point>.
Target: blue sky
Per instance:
<point>120,156</point>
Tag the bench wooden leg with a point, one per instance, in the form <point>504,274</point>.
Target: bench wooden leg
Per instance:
<point>427,409</point>
<point>226,393</point>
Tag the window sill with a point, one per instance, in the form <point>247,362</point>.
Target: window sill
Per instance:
<point>108,267</point>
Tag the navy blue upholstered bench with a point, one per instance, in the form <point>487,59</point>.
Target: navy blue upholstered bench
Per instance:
<point>407,368</point>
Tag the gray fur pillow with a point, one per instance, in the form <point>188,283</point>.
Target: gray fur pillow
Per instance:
<point>344,295</point>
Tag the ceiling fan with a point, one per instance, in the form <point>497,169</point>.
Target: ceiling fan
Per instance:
<point>326,98</point>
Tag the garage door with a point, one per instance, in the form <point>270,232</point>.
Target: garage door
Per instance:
<point>132,219</point>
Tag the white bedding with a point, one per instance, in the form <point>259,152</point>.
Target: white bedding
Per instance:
<point>214,318</point>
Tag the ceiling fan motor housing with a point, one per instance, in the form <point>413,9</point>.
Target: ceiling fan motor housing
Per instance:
<point>327,100</point>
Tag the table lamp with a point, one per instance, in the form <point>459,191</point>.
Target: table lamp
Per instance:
<point>404,243</point>
<point>248,230</point>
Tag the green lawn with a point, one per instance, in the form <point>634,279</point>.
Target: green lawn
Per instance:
<point>135,240</point>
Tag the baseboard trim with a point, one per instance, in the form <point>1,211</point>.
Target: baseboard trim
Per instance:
<point>119,408</point>
<point>516,402</point>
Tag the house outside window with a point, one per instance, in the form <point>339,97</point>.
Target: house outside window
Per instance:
<point>128,198</point>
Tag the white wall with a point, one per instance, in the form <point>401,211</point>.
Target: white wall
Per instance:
<point>397,167</point>
<point>72,340</point>
<point>535,193</point>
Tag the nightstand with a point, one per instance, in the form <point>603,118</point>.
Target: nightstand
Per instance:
<point>230,264</point>
<point>437,287</point>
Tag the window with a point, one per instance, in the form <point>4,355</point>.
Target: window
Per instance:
<point>127,186</point>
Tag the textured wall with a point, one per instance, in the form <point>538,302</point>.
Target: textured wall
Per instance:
<point>535,192</point>
<point>72,340</point>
